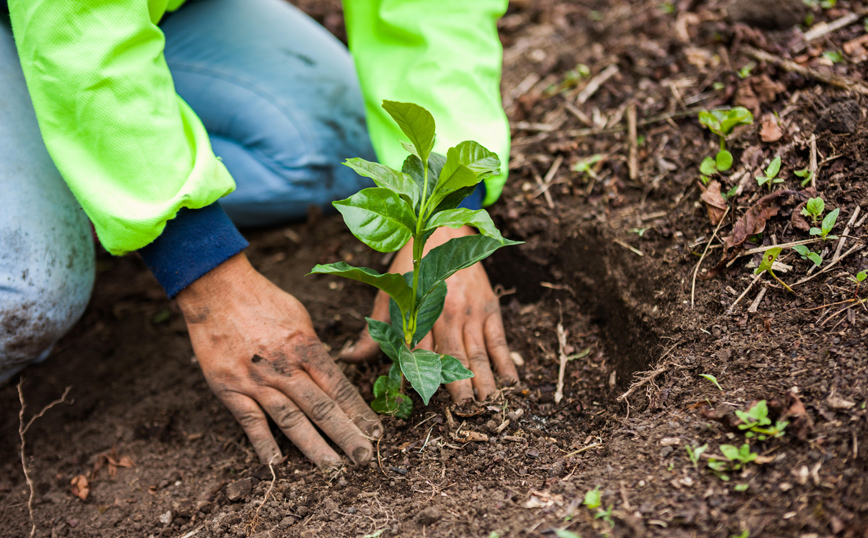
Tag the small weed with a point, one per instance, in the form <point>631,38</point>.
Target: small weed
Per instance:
<point>807,254</point>
<point>755,420</point>
<point>583,166</point>
<point>814,209</point>
<point>767,265</point>
<point>713,380</point>
<point>826,226</point>
<point>806,176</point>
<point>736,458</point>
<point>721,122</point>
<point>639,231</point>
<point>606,515</point>
<point>593,498</point>
<point>833,56</point>
<point>741,487</point>
<point>744,534</point>
<point>771,174</point>
<point>859,278</point>
<point>745,71</point>
<point>695,453</point>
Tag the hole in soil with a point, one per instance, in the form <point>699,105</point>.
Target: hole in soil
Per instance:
<point>619,291</point>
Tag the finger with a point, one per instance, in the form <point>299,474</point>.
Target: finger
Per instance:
<point>298,429</point>
<point>366,348</point>
<point>328,416</point>
<point>335,384</point>
<point>474,344</point>
<point>498,350</point>
<point>255,425</point>
<point>427,342</point>
<point>450,342</point>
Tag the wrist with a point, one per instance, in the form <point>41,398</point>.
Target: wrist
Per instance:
<point>233,274</point>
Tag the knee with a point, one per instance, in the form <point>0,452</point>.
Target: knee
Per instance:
<point>44,289</point>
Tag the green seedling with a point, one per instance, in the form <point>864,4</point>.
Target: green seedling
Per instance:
<point>744,534</point>
<point>695,453</point>
<point>583,166</point>
<point>826,226</point>
<point>767,264</point>
<point>859,278</point>
<point>741,487</point>
<point>756,421</point>
<point>639,231</point>
<point>745,71</point>
<point>807,254</point>
<point>736,458</point>
<point>814,209</point>
<point>833,56</point>
<point>770,177</point>
<point>721,122</point>
<point>593,498</point>
<point>411,205</point>
<point>713,380</point>
<point>806,176</point>
<point>730,193</point>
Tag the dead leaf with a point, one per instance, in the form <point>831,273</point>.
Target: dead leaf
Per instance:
<point>746,97</point>
<point>793,410</point>
<point>80,487</point>
<point>470,437</point>
<point>770,130</point>
<point>798,220</point>
<point>752,157</point>
<point>754,219</point>
<point>838,403</point>
<point>543,499</point>
<point>714,202</point>
<point>766,89</point>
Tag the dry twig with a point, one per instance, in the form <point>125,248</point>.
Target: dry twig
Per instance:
<point>562,359</point>
<point>789,65</point>
<point>255,520</point>
<point>22,430</point>
<point>647,377</point>
<point>634,142</point>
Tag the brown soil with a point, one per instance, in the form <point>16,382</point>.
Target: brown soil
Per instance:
<point>137,392</point>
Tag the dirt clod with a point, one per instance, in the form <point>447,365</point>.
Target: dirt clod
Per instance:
<point>841,117</point>
<point>429,516</point>
<point>239,490</point>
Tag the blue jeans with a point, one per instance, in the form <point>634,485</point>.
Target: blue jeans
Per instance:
<point>280,98</point>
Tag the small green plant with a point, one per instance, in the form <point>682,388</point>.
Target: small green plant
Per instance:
<point>833,56</point>
<point>639,231</point>
<point>744,534</point>
<point>826,226</point>
<point>745,71</point>
<point>770,176</point>
<point>807,254</point>
<point>412,204</point>
<point>756,421</point>
<point>593,498</point>
<point>736,458</point>
<point>859,278</point>
<point>814,208</point>
<point>806,176</point>
<point>695,453</point>
<point>713,380</point>
<point>721,122</point>
<point>583,166</point>
<point>767,264</point>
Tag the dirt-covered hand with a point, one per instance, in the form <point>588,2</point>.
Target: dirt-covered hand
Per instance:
<point>470,328</point>
<point>259,353</point>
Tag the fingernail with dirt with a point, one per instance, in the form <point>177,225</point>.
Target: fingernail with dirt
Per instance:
<point>330,462</point>
<point>361,455</point>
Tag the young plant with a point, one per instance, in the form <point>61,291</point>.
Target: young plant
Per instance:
<point>736,458</point>
<point>695,453</point>
<point>807,254</point>
<point>771,174</point>
<point>721,122</point>
<point>756,419</point>
<point>826,226</point>
<point>767,264</point>
<point>584,166</point>
<point>859,278</point>
<point>713,380</point>
<point>806,176</point>
<point>411,205</point>
<point>814,208</point>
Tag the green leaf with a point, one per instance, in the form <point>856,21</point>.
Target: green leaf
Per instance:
<point>453,199</point>
<point>459,253</point>
<point>768,260</point>
<point>387,178</point>
<point>422,370</point>
<point>413,167</point>
<point>730,452</point>
<point>708,166</point>
<point>416,122</point>
<point>860,276</point>
<point>741,487</point>
<point>774,168</point>
<point>429,310</point>
<point>392,283</point>
<point>379,218</point>
<point>388,336</point>
<point>814,207</point>
<point>456,218</point>
<point>829,221</point>
<point>815,231</point>
<point>712,379</point>
<point>734,116</point>
<point>388,399</point>
<point>482,162</point>
<point>451,370</point>
<point>723,159</point>
<point>593,498</point>
<point>816,258</point>
<point>802,250</point>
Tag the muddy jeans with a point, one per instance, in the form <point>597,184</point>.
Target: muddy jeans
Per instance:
<point>278,95</point>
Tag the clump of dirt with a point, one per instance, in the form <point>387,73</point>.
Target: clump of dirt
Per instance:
<point>614,265</point>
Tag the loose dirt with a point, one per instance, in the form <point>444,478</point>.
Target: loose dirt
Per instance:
<point>609,258</point>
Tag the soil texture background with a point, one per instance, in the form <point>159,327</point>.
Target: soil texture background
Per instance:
<point>605,190</point>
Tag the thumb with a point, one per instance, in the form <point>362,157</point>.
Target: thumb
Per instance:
<point>366,348</point>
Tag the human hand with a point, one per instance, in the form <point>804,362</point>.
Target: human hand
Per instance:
<point>470,328</point>
<point>259,353</point>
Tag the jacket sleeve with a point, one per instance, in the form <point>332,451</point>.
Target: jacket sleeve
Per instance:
<point>132,152</point>
<point>444,55</point>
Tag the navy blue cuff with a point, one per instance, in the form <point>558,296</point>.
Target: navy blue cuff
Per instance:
<point>193,243</point>
<point>474,201</point>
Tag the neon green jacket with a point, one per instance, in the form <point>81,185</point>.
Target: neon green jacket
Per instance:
<point>134,153</point>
